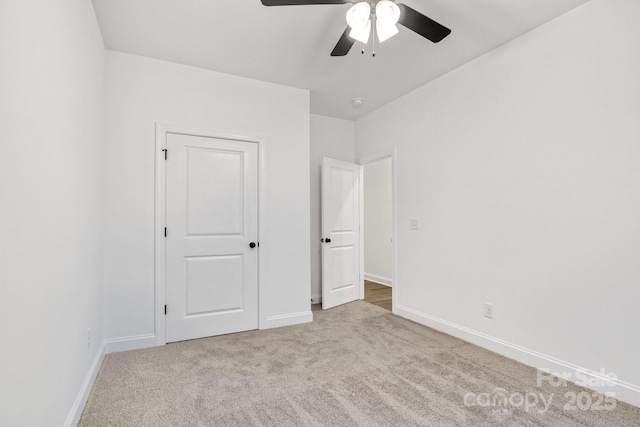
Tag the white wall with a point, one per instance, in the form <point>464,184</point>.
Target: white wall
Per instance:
<point>51,97</point>
<point>141,91</point>
<point>523,167</point>
<point>378,221</point>
<point>330,137</point>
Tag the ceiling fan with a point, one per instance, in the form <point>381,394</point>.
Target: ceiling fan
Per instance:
<point>385,14</point>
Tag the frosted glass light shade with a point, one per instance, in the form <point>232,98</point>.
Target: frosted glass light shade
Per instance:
<point>358,15</point>
<point>385,32</point>
<point>387,14</point>
<point>358,19</point>
<point>361,34</point>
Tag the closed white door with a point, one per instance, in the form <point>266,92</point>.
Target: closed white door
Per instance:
<point>340,232</point>
<point>212,227</point>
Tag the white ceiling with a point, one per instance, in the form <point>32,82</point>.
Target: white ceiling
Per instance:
<point>290,45</point>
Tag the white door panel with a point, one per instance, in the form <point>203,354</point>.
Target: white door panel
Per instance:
<point>342,193</point>
<point>341,232</point>
<point>203,296</point>
<point>211,271</point>
<point>214,201</point>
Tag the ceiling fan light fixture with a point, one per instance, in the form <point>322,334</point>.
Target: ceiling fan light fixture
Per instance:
<point>358,15</point>
<point>387,12</point>
<point>358,18</point>
<point>361,34</point>
<point>385,32</point>
<point>387,16</point>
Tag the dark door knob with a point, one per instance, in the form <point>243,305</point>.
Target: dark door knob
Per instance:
<point>327,240</point>
<point>252,245</point>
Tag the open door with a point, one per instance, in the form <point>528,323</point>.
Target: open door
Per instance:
<point>340,232</point>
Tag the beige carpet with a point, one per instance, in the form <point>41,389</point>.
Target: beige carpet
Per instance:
<point>357,364</point>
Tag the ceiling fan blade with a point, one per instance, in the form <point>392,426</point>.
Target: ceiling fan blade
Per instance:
<point>344,44</point>
<point>426,27</point>
<point>300,2</point>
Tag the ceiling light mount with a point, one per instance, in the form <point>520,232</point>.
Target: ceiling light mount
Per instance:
<point>357,102</point>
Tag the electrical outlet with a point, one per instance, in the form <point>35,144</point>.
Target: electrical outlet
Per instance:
<point>488,310</point>
<point>89,339</point>
<point>414,224</point>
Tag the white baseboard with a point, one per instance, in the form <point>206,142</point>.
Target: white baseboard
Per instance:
<point>114,345</point>
<point>621,390</point>
<point>316,299</point>
<point>287,320</point>
<point>78,405</point>
<point>378,279</point>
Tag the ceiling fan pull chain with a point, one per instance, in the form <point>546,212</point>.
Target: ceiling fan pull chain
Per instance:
<point>374,46</point>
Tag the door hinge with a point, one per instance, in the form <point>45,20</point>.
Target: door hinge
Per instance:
<point>165,153</point>
<point>165,310</point>
<point>165,232</point>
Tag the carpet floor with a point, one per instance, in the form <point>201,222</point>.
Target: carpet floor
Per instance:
<point>354,365</point>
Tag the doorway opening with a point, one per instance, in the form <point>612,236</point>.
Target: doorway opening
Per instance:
<point>344,251</point>
<point>378,231</point>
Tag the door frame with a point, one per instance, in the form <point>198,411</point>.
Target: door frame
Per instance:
<point>362,161</point>
<point>162,129</point>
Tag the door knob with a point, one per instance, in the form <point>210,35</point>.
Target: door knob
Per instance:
<point>252,245</point>
<point>327,240</point>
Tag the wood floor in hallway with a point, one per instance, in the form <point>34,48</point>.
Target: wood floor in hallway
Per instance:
<point>377,294</point>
